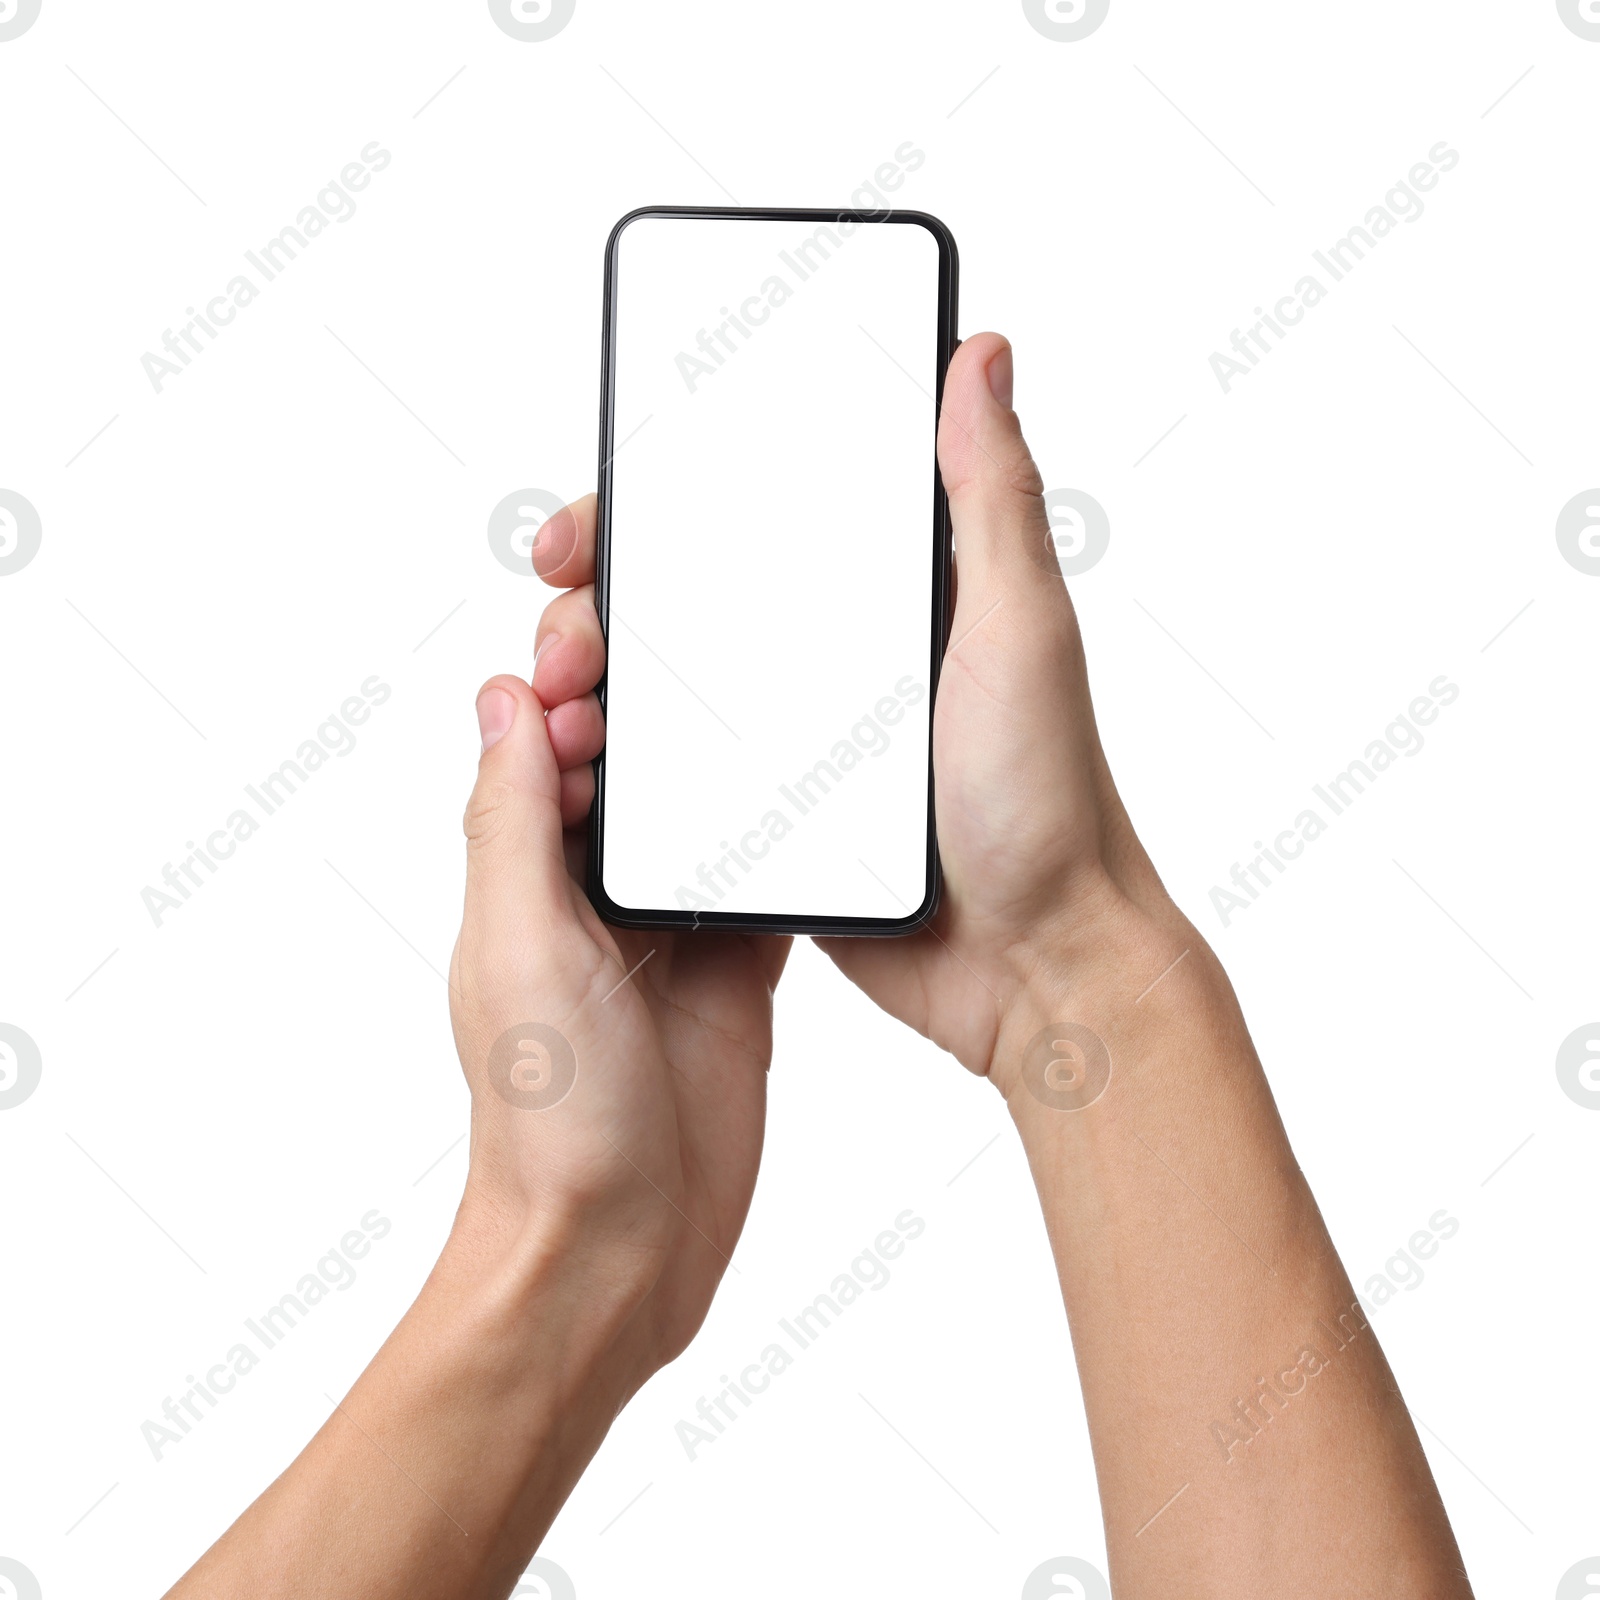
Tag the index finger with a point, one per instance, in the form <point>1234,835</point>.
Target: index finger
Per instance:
<point>563,548</point>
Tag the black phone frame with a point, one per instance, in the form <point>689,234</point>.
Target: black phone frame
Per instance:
<point>939,625</point>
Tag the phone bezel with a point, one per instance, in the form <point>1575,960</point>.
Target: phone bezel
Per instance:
<point>939,624</point>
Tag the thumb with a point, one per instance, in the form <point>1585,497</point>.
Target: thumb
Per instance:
<point>516,868</point>
<point>1002,533</point>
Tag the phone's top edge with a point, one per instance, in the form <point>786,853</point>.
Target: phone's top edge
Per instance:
<point>924,219</point>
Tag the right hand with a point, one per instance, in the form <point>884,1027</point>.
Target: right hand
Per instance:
<point>1039,855</point>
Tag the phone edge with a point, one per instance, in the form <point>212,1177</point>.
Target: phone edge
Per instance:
<point>609,910</point>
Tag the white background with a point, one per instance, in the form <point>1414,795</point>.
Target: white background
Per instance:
<point>224,1096</point>
<point>772,534</point>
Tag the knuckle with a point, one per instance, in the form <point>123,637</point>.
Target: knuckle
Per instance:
<point>488,814</point>
<point>1021,472</point>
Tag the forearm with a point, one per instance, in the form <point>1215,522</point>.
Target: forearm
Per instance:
<point>1243,1417</point>
<point>444,1465</point>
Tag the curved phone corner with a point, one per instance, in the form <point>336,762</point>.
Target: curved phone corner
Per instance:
<point>928,910</point>
<point>628,218</point>
<point>936,226</point>
<point>616,915</point>
<point>610,912</point>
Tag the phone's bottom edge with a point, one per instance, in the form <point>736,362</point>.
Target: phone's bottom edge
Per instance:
<point>616,916</point>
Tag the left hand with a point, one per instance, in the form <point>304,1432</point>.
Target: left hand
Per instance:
<point>645,1166</point>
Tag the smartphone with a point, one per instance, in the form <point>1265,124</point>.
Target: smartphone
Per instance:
<point>772,570</point>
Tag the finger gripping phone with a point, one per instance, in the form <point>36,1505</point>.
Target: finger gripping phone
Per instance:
<point>772,569</point>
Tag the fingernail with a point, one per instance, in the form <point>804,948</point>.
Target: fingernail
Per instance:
<point>544,644</point>
<point>1000,376</point>
<point>496,712</point>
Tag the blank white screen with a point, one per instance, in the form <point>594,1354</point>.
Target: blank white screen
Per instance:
<point>768,705</point>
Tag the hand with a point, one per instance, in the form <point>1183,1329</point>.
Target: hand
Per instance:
<point>647,1162</point>
<point>1038,852</point>
<point>618,1096</point>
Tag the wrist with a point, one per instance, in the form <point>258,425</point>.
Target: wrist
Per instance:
<point>499,1383</point>
<point>1098,990</point>
<point>546,1284</point>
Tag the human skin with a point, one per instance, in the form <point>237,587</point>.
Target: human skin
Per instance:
<point>1246,1439</point>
